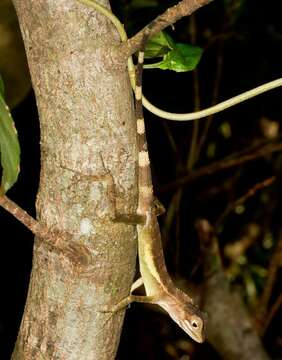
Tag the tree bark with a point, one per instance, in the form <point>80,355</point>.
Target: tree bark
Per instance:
<point>87,137</point>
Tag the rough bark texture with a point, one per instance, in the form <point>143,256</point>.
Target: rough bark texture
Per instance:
<point>87,133</point>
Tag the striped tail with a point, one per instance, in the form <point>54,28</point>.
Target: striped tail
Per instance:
<point>145,199</point>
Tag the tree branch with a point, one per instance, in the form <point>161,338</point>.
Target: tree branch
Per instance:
<point>223,164</point>
<point>33,225</point>
<point>170,16</point>
<point>271,313</point>
<point>230,329</point>
<point>241,200</point>
<point>77,253</point>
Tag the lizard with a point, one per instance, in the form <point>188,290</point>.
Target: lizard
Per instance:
<point>158,285</point>
<point>178,116</point>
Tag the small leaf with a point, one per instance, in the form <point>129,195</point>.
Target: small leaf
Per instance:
<point>211,150</point>
<point>267,241</point>
<point>259,270</point>
<point>159,45</point>
<point>239,209</point>
<point>2,87</point>
<point>182,58</point>
<point>225,130</point>
<point>9,148</point>
<point>250,287</point>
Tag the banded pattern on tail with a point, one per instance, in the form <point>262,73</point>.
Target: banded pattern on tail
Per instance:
<point>145,202</point>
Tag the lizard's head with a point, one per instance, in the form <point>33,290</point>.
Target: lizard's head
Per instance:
<point>194,326</point>
<point>190,319</point>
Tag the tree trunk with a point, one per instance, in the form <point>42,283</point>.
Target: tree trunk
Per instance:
<point>87,138</point>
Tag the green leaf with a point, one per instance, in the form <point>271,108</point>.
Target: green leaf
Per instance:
<point>159,45</point>
<point>182,58</point>
<point>2,88</point>
<point>225,130</point>
<point>9,148</point>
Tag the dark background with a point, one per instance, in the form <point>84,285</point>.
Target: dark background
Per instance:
<point>242,49</point>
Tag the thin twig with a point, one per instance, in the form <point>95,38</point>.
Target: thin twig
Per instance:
<point>223,164</point>
<point>192,156</point>
<point>234,250</point>
<point>218,73</point>
<point>170,138</point>
<point>241,200</point>
<point>271,313</point>
<point>209,248</point>
<point>209,120</point>
<point>169,17</point>
<point>274,265</point>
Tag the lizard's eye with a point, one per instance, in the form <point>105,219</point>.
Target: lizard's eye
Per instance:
<point>195,322</point>
<point>195,328</point>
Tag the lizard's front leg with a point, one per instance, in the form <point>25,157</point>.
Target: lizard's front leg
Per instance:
<point>139,282</point>
<point>115,215</point>
<point>130,299</point>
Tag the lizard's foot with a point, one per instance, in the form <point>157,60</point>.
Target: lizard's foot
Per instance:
<point>119,306</point>
<point>130,219</point>
<point>159,208</point>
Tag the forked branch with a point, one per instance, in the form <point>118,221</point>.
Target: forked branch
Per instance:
<point>169,17</point>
